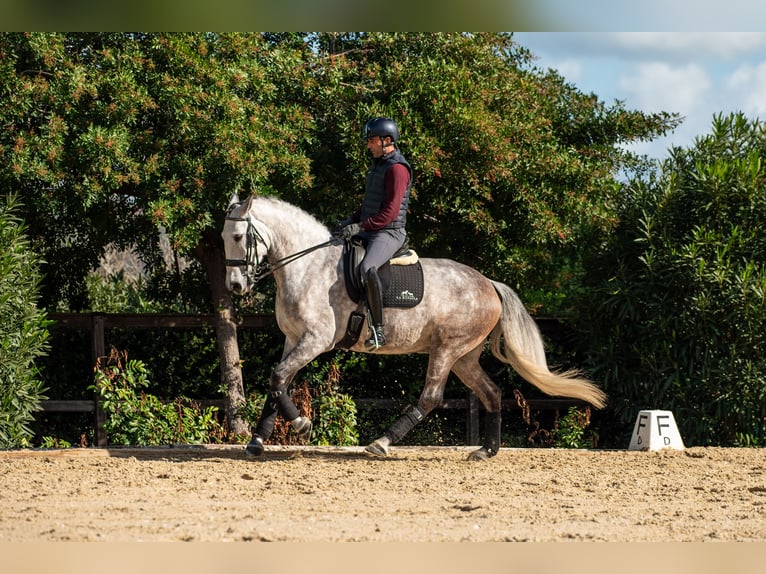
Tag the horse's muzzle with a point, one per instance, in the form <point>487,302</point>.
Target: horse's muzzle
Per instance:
<point>237,282</point>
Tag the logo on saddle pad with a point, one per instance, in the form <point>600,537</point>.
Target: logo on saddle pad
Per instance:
<point>406,295</point>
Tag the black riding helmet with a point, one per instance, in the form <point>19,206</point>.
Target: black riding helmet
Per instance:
<point>380,127</point>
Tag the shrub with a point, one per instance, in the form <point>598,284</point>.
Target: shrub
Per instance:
<point>23,330</point>
<point>570,430</point>
<point>336,412</point>
<point>677,304</point>
<point>136,418</point>
<point>317,397</point>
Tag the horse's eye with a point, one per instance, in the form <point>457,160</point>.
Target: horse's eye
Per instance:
<point>238,237</point>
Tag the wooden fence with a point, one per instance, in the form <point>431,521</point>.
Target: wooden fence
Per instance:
<point>98,323</point>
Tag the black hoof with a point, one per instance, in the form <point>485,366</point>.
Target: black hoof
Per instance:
<point>482,454</point>
<point>304,428</point>
<point>254,447</point>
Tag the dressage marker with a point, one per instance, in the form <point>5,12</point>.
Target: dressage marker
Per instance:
<point>655,430</point>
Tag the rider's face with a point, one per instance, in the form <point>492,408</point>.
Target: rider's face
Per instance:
<point>375,145</point>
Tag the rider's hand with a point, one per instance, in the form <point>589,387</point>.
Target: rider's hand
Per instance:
<point>350,230</point>
<point>338,231</point>
<point>346,229</point>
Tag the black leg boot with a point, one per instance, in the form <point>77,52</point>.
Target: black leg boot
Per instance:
<point>375,303</point>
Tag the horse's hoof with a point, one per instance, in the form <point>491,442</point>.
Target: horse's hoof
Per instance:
<point>377,448</point>
<point>480,454</point>
<point>303,428</point>
<point>255,447</point>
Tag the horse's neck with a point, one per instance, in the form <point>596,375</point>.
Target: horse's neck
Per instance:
<point>290,231</point>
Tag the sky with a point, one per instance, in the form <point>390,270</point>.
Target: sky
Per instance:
<point>696,74</point>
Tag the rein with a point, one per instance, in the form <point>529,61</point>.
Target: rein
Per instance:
<point>265,268</point>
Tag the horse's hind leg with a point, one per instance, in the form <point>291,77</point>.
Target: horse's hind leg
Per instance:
<point>470,372</point>
<point>438,369</point>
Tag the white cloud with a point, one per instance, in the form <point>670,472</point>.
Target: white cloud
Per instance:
<point>686,45</point>
<point>747,85</point>
<point>696,75</point>
<point>657,86</point>
<point>569,68</point>
<point>675,46</point>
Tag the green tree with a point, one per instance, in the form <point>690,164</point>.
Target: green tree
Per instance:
<point>677,304</point>
<point>23,329</point>
<point>514,167</point>
<point>111,136</point>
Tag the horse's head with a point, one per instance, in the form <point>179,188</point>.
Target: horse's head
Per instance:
<point>244,247</point>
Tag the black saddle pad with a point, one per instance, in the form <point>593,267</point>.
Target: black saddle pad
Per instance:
<point>405,288</point>
<point>402,284</point>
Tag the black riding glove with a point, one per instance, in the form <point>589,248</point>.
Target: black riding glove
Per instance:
<point>350,230</point>
<point>338,231</point>
<point>346,229</point>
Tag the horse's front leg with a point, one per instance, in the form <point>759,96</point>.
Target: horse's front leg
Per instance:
<point>279,401</point>
<point>263,429</point>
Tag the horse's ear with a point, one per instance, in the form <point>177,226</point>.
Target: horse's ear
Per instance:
<point>233,200</point>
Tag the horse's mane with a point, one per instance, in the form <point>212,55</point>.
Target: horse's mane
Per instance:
<point>291,215</point>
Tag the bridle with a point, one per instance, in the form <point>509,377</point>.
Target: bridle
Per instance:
<point>255,270</point>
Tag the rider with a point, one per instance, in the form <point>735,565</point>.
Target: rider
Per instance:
<point>382,216</point>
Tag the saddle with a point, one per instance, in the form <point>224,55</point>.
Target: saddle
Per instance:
<point>401,278</point>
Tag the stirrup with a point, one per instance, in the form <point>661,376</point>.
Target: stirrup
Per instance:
<point>377,339</point>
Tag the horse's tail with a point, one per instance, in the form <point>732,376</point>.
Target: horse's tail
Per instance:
<point>524,351</point>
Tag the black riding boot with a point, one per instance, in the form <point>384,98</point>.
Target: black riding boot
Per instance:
<point>375,303</point>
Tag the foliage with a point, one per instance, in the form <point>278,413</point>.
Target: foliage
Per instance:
<point>748,440</point>
<point>336,424</point>
<point>336,412</point>
<point>115,294</point>
<point>570,430</point>
<point>675,315</point>
<point>136,418</point>
<point>514,168</point>
<point>23,329</point>
<point>53,442</point>
<point>317,397</point>
<point>114,137</point>
<point>111,135</point>
<point>250,411</point>
<point>115,134</point>
<point>186,363</point>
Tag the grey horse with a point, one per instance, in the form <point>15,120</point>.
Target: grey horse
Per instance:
<point>459,311</point>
